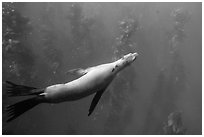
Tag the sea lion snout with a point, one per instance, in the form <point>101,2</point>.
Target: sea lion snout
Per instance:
<point>130,57</point>
<point>135,55</point>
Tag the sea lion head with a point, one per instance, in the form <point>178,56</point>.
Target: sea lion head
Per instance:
<point>129,58</point>
<point>125,60</point>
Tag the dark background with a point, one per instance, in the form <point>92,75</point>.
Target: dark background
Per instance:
<point>41,41</point>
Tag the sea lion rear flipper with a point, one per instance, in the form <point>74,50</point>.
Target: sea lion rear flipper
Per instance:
<point>77,71</point>
<point>21,90</point>
<point>95,100</point>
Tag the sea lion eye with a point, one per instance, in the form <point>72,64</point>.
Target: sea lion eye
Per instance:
<point>113,69</point>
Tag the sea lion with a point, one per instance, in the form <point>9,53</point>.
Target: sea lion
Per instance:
<point>93,80</point>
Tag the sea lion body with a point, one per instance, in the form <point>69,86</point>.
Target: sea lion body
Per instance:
<point>94,80</point>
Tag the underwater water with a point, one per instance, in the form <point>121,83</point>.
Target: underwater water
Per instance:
<point>160,93</point>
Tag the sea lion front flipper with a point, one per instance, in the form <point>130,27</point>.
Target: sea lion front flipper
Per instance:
<point>77,71</point>
<point>95,100</point>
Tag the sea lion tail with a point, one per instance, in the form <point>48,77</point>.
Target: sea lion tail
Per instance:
<point>19,108</point>
<point>21,90</point>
